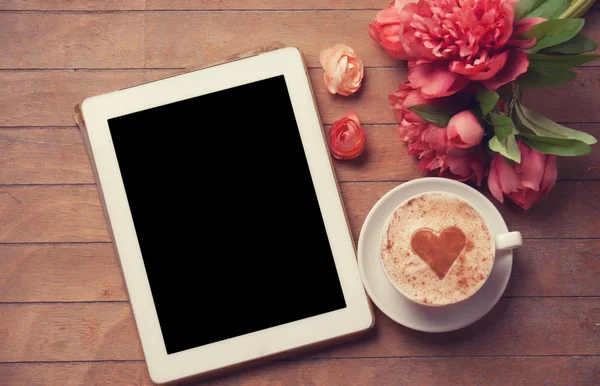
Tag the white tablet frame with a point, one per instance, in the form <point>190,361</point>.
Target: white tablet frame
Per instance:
<point>356,317</point>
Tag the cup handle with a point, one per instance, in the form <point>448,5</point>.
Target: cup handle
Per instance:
<point>510,240</point>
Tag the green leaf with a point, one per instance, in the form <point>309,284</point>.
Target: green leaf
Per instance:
<point>507,147</point>
<point>553,32</point>
<point>559,61</point>
<point>503,125</point>
<point>436,115</point>
<point>550,9</point>
<point>524,7</point>
<point>487,100</point>
<point>557,146</point>
<point>545,127</point>
<point>578,45</point>
<point>545,77</point>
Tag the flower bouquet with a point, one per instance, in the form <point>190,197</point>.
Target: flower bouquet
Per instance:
<point>469,63</point>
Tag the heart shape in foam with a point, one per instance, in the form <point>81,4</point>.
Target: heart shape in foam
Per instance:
<point>439,252</point>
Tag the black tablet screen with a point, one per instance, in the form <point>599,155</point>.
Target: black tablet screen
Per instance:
<point>226,214</point>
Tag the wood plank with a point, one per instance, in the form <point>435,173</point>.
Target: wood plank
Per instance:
<point>43,156</point>
<point>147,5</point>
<point>386,159</point>
<point>176,39</point>
<point>556,268</point>
<point>57,156</point>
<point>79,273</point>
<point>51,213</point>
<point>106,331</point>
<point>23,104</point>
<point>569,211</point>
<point>77,331</point>
<point>46,98</point>
<point>392,371</point>
<point>64,273</point>
<point>185,39</point>
<point>74,213</point>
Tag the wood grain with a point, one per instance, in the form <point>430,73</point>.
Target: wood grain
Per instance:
<point>184,39</point>
<point>147,5</point>
<point>106,331</point>
<point>51,213</point>
<point>80,273</point>
<point>43,156</point>
<point>180,39</point>
<point>46,98</point>
<point>74,213</point>
<point>580,371</point>
<point>65,273</point>
<point>49,332</point>
<point>57,156</point>
<point>556,268</point>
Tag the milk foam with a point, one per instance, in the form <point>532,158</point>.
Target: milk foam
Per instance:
<point>411,274</point>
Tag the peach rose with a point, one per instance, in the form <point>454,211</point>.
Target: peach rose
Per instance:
<point>347,138</point>
<point>343,69</point>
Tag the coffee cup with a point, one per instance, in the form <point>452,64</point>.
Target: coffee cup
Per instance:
<point>437,249</point>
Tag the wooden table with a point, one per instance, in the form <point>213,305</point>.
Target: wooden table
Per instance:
<point>64,313</point>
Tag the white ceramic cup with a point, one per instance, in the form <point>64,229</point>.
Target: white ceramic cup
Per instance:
<point>502,242</point>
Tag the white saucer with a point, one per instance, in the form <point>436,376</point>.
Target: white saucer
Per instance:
<point>395,305</point>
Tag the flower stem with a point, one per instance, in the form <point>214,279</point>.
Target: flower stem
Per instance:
<point>577,9</point>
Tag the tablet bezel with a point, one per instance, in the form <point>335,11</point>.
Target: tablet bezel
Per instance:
<point>163,367</point>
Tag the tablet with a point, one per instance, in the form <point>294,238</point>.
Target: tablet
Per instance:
<point>225,215</point>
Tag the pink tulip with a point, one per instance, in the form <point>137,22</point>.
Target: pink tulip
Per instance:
<point>464,130</point>
<point>524,183</point>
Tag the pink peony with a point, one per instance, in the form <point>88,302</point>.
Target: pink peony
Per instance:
<point>451,42</point>
<point>524,183</point>
<point>407,96</point>
<point>343,69</point>
<point>464,130</point>
<point>436,150</point>
<point>469,165</point>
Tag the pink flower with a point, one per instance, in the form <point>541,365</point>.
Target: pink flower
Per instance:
<point>343,69</point>
<point>450,43</point>
<point>347,138</point>
<point>407,96</point>
<point>524,183</point>
<point>464,130</point>
<point>385,29</point>
<point>460,166</point>
<point>436,150</point>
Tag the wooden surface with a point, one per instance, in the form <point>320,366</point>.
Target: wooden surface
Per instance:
<point>64,314</point>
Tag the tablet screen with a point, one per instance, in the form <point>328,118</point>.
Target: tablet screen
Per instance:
<point>226,215</point>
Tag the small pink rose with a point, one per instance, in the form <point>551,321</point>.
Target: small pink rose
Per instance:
<point>343,69</point>
<point>347,138</point>
<point>464,130</point>
<point>524,183</point>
